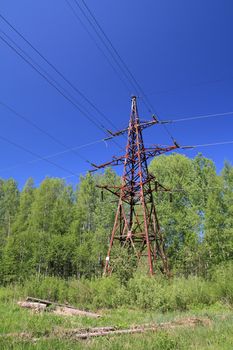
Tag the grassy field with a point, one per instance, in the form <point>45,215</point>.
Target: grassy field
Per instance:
<point>141,301</point>
<point>44,329</point>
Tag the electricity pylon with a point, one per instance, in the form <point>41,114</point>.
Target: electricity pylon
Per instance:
<point>136,226</point>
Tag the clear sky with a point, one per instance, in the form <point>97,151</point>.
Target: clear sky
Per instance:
<point>179,51</point>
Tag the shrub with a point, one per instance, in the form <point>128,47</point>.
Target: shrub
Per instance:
<point>108,292</point>
<point>142,291</point>
<point>80,293</point>
<point>187,293</point>
<point>50,288</point>
<point>148,293</point>
<point>222,279</point>
<point>167,295</point>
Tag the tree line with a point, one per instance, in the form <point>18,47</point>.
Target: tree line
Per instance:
<point>56,230</point>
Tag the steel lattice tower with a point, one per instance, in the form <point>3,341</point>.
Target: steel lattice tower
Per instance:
<point>136,224</point>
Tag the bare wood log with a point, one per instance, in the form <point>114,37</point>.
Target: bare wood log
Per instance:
<point>84,333</point>
<point>32,305</point>
<point>69,311</point>
<point>115,332</point>
<point>61,332</point>
<point>100,329</point>
<point>190,322</point>
<point>63,309</point>
<point>43,301</point>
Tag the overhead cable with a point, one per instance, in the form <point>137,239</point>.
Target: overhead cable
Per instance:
<point>97,45</point>
<point>117,58</point>
<point>47,157</point>
<point>54,83</point>
<point>74,103</point>
<point>5,139</point>
<point>213,144</point>
<point>74,87</point>
<point>53,155</point>
<point>34,125</point>
<point>51,83</point>
<point>199,117</point>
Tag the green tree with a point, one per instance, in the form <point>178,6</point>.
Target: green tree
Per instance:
<point>25,207</point>
<point>106,206</point>
<point>51,204</point>
<point>219,220</point>
<point>61,256</point>
<point>9,201</point>
<point>182,220</point>
<point>86,195</point>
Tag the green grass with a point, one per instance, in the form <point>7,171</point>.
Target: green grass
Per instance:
<point>217,336</point>
<point>143,300</point>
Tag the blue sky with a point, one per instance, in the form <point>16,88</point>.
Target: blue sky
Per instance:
<point>179,51</point>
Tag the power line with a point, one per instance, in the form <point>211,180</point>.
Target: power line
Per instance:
<point>100,141</point>
<point>28,121</point>
<point>132,80</point>
<point>100,127</point>
<point>115,55</point>
<point>126,71</point>
<point>5,139</point>
<point>135,82</point>
<point>176,120</point>
<point>104,43</point>
<point>111,45</point>
<point>202,145</point>
<point>98,46</point>
<point>42,69</point>
<point>200,117</point>
<point>102,40</point>
<point>74,148</point>
<point>47,157</point>
<point>213,144</point>
<point>53,155</point>
<point>132,77</point>
<point>58,72</point>
<point>53,85</point>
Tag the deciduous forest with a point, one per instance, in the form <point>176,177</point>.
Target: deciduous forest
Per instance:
<point>54,240</point>
<point>55,230</point>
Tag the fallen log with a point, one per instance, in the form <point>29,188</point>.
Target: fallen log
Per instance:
<point>62,309</point>
<point>69,333</point>
<point>190,322</point>
<point>70,311</point>
<point>36,300</point>
<point>85,333</point>
<point>115,332</point>
<point>32,305</point>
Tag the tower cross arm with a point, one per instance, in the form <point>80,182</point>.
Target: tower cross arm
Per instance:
<point>143,125</point>
<point>149,152</point>
<point>115,161</point>
<point>158,150</point>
